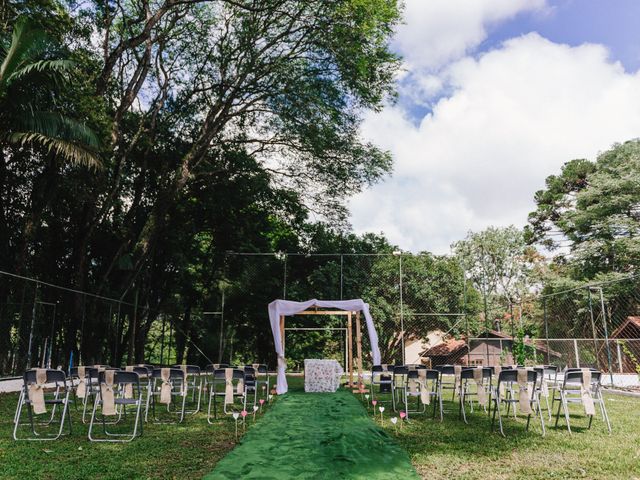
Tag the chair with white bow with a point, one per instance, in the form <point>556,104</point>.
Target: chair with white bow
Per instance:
<point>43,388</point>
<point>476,383</point>
<point>195,385</point>
<point>521,394</point>
<point>168,395</point>
<point>581,385</point>
<point>117,391</point>
<point>228,383</point>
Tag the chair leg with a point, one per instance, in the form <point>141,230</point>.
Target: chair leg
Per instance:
<point>493,418</point>
<point>541,419</point>
<point>500,421</point>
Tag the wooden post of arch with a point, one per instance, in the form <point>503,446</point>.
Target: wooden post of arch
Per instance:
<point>360,386</point>
<point>282,332</point>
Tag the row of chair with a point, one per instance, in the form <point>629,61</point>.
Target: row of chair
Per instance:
<point>499,387</point>
<point>107,395</point>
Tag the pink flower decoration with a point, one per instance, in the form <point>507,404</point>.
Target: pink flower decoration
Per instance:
<point>374,402</point>
<point>261,401</point>
<point>402,414</point>
<point>243,413</point>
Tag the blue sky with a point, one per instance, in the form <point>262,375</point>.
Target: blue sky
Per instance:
<point>495,96</point>
<point>613,23</point>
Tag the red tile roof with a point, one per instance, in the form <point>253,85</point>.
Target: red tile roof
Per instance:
<point>448,347</point>
<point>630,321</point>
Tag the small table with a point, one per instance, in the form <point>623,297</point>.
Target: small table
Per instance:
<point>322,375</point>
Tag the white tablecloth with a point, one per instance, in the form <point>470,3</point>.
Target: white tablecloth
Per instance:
<point>321,375</point>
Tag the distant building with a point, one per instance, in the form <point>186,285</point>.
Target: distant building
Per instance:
<point>488,349</point>
<point>627,334</point>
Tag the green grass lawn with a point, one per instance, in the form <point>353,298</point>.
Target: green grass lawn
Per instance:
<point>454,450</point>
<point>188,450</point>
<point>447,450</point>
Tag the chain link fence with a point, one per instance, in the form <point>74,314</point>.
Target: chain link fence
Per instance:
<point>426,311</point>
<point>48,325</point>
<point>424,308</point>
<point>417,302</point>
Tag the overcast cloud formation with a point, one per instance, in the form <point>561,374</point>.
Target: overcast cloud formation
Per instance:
<point>477,130</point>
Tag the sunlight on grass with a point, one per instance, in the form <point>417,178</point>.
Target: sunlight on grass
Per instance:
<point>452,449</point>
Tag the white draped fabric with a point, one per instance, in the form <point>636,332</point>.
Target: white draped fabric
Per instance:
<point>279,308</point>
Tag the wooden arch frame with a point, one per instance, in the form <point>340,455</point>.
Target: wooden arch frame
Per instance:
<point>359,386</point>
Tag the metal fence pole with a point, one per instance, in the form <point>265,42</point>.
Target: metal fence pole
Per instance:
<point>341,274</point>
<point>401,310</point>
<point>606,333</point>
<point>284,282</point>
<point>221,344</point>
<point>466,319</point>
<point>164,321</point>
<point>593,328</point>
<point>546,328</point>
<point>117,339</point>
<point>33,321</point>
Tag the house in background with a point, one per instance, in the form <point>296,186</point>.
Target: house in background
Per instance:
<point>414,346</point>
<point>626,336</point>
<point>448,352</point>
<point>488,349</point>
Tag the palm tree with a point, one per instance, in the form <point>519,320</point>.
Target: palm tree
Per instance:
<point>25,68</point>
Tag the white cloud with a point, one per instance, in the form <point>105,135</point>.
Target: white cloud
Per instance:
<point>514,116</point>
<point>438,31</point>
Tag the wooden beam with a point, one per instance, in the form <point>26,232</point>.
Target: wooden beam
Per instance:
<point>359,353</point>
<point>322,312</point>
<point>282,333</point>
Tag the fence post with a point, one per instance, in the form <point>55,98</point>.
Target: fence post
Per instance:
<point>606,333</point>
<point>133,326</point>
<point>117,340</point>
<point>341,274</point>
<point>284,282</point>
<point>619,357</point>
<point>593,328</point>
<point>466,319</point>
<point>401,310</point>
<point>577,353</point>
<point>221,344</point>
<point>33,321</point>
<point>164,321</point>
<point>546,328</point>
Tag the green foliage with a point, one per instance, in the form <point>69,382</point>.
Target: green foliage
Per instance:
<point>627,351</point>
<point>23,72</point>
<point>222,126</point>
<point>593,208</point>
<point>523,349</point>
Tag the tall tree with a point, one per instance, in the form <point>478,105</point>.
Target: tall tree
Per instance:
<point>592,210</point>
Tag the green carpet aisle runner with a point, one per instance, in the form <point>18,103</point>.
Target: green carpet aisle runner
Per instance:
<point>316,436</point>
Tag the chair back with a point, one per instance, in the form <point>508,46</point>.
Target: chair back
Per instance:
<point>238,374</point>
<point>53,376</point>
<point>121,377</point>
<point>191,369</point>
<point>511,375</point>
<point>174,373</point>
